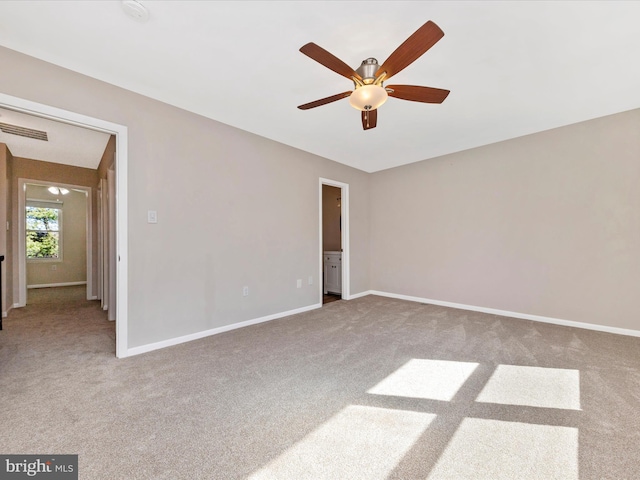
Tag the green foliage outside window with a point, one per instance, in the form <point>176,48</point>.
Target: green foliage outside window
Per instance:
<point>43,232</point>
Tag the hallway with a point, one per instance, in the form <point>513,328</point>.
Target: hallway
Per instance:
<point>58,325</point>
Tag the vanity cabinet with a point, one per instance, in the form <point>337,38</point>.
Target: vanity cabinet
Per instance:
<point>332,272</point>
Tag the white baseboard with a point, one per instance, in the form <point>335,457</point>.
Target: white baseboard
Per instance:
<point>214,331</point>
<point>358,295</point>
<point>11,307</point>
<point>64,284</point>
<point>93,297</point>
<point>506,313</point>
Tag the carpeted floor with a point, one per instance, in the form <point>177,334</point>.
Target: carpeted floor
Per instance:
<point>371,388</point>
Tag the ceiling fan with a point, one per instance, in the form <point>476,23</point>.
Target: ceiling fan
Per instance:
<point>369,92</point>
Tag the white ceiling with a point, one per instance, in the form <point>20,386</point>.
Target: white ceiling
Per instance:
<point>66,144</point>
<point>513,68</point>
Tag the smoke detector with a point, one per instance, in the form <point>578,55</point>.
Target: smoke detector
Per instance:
<point>135,10</point>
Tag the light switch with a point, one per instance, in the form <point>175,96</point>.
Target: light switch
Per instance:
<point>152,216</point>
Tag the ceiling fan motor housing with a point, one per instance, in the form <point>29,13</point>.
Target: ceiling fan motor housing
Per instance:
<point>367,70</point>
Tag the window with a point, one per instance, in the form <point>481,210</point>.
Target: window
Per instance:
<point>44,230</point>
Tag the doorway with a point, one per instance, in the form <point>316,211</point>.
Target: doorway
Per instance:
<point>55,220</point>
<point>120,181</point>
<point>333,240</point>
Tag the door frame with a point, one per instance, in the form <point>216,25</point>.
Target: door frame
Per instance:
<point>344,237</point>
<point>121,161</point>
<point>22,253</point>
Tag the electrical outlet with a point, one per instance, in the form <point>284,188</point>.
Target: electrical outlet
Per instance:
<point>299,283</point>
<point>310,280</point>
<point>54,267</point>
<point>245,291</point>
<point>152,216</point>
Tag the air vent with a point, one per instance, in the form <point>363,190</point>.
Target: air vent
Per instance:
<point>23,131</point>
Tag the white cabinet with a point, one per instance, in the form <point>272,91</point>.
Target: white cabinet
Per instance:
<point>332,272</point>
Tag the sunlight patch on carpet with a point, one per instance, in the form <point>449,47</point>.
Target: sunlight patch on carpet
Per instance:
<point>534,387</point>
<point>495,450</point>
<point>357,443</point>
<point>422,378</point>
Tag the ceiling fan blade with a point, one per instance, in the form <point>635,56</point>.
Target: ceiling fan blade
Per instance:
<point>324,101</point>
<point>414,93</point>
<point>369,119</point>
<point>330,61</point>
<point>413,47</point>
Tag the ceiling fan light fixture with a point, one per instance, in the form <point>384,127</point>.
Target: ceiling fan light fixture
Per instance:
<point>369,93</point>
<point>58,190</point>
<point>368,97</point>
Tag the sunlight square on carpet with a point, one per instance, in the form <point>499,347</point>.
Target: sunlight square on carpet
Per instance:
<point>357,443</point>
<point>497,450</point>
<point>533,386</point>
<point>424,378</point>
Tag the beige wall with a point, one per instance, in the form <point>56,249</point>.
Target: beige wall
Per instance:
<point>331,234</point>
<point>72,267</point>
<point>545,224</point>
<point>234,209</point>
<point>54,173</point>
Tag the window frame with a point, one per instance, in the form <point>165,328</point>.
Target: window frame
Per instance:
<point>38,203</point>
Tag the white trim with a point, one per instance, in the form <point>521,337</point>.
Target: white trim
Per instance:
<point>9,308</point>
<point>63,284</point>
<point>99,250</point>
<point>122,249</point>
<point>344,212</point>
<point>214,331</point>
<point>361,294</point>
<point>89,233</point>
<point>121,133</point>
<point>111,250</point>
<point>506,313</point>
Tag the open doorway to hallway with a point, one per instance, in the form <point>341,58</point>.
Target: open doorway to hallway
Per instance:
<point>16,295</point>
<point>334,240</point>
